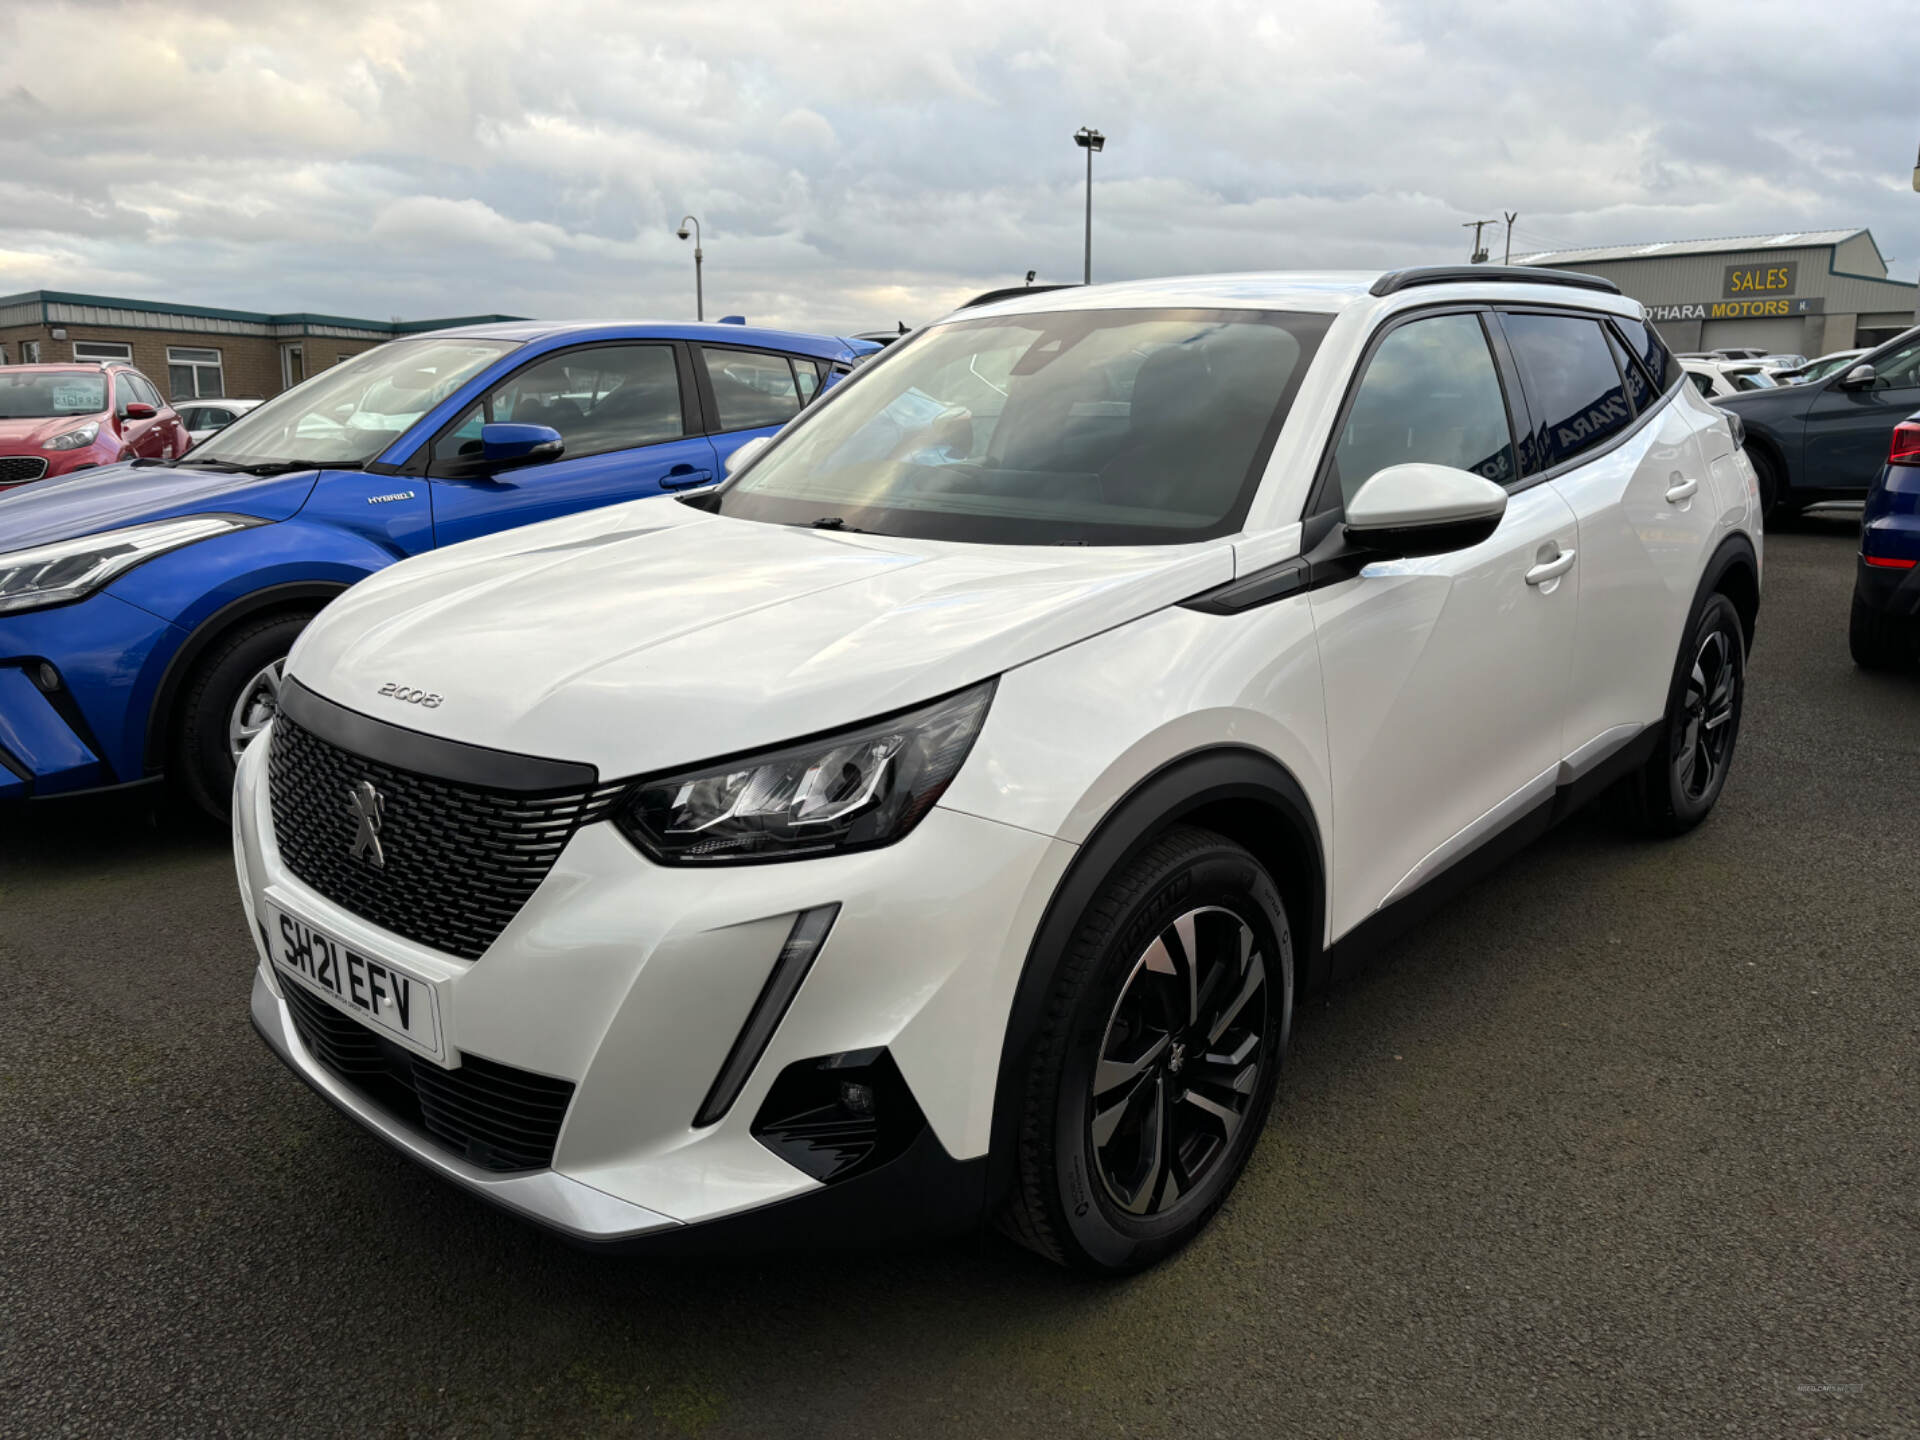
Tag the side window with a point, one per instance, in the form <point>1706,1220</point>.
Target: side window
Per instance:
<point>190,417</point>
<point>752,389</point>
<point>608,397</point>
<point>1639,390</point>
<point>1701,383</point>
<point>1653,353</point>
<point>806,377</point>
<point>1431,394</point>
<point>144,389</point>
<point>1572,382</point>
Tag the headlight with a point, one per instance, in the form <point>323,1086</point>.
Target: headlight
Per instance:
<point>74,439</point>
<point>851,791</point>
<point>72,569</point>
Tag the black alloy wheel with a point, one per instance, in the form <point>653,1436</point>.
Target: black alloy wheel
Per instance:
<point>1180,1060</point>
<point>1688,768</point>
<point>1707,717</point>
<point>1164,1031</point>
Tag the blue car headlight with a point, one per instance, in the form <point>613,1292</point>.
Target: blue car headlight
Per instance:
<point>69,570</point>
<point>852,790</point>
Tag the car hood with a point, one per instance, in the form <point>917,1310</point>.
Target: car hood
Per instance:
<point>652,634</point>
<point>20,437</point>
<point>116,495</point>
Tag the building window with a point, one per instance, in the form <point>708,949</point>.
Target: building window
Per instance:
<point>101,350</point>
<point>29,352</point>
<point>194,374</point>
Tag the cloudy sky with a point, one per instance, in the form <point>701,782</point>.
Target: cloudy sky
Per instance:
<point>863,161</point>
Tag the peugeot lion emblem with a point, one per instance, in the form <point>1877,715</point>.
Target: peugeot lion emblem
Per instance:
<point>367,804</point>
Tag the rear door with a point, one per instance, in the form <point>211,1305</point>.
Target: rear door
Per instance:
<point>1848,430</point>
<point>1446,675</point>
<point>624,415</point>
<point>1623,450</point>
<point>751,392</point>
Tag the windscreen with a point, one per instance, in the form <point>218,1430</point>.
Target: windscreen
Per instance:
<point>44,394</point>
<point>349,414</point>
<point>1110,427</point>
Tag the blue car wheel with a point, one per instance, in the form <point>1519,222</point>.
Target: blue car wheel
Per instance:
<point>226,702</point>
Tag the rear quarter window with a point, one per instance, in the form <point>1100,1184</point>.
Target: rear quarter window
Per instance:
<point>1577,396</point>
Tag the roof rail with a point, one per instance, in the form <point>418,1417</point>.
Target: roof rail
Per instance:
<point>1007,293</point>
<point>1395,281</point>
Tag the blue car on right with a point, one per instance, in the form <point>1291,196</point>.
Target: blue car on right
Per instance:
<point>1885,630</point>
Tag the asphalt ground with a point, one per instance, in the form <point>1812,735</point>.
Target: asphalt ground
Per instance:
<point>1625,1142</point>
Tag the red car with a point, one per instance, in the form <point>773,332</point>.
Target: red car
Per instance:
<point>55,419</point>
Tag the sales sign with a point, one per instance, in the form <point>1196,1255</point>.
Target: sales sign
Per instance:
<point>1745,282</point>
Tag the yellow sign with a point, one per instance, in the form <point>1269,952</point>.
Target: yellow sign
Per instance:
<point>1747,309</point>
<point>1761,279</point>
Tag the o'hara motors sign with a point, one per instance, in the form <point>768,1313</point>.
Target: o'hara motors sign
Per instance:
<point>1738,309</point>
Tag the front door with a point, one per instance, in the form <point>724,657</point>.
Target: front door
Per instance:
<point>622,417</point>
<point>1445,676</point>
<point>1848,431</point>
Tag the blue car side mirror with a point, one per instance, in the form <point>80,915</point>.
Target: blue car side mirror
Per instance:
<point>503,444</point>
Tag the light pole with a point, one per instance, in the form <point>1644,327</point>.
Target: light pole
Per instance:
<point>1089,140</point>
<point>699,299</point>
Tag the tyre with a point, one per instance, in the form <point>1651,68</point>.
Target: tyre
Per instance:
<point>233,691</point>
<point>1772,482</point>
<point>1879,641</point>
<point>1157,1057</point>
<point>1689,766</point>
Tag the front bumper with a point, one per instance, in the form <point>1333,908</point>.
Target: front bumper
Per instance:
<point>90,730</point>
<point>633,980</point>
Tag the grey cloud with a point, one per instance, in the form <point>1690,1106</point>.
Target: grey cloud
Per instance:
<point>867,161</point>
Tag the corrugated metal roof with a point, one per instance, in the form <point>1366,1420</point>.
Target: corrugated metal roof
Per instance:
<point>1785,240</point>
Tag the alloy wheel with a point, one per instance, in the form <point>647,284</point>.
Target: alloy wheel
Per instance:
<point>1706,716</point>
<point>1179,1064</point>
<point>258,703</point>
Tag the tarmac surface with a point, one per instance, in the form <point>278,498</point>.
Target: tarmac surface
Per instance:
<point>1624,1142</point>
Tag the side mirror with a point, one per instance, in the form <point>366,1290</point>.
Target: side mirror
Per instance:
<point>744,454</point>
<point>503,447</point>
<point>140,410</point>
<point>1420,509</point>
<point>1860,377</point>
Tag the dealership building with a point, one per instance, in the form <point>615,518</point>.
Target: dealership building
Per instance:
<point>1807,292</point>
<point>190,351</point>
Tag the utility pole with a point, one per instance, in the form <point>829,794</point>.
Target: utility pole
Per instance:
<point>1090,140</point>
<point>1511,216</point>
<point>699,295</point>
<point>1479,255</point>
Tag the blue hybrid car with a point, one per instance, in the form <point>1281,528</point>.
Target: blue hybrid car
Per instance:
<point>1885,630</point>
<point>146,609</point>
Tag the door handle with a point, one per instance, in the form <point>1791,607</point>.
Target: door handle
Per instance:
<point>1551,569</point>
<point>1682,491</point>
<point>684,477</point>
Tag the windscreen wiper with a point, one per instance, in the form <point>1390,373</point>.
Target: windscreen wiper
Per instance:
<point>272,467</point>
<point>835,522</point>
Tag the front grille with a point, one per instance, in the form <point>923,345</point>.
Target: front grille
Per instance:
<point>18,469</point>
<point>459,860</point>
<point>489,1114</point>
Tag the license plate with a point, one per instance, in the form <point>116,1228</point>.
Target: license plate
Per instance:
<point>374,992</point>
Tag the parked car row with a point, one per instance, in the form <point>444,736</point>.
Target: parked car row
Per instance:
<point>146,607</point>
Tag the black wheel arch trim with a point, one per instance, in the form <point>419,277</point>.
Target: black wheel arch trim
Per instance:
<point>1734,553</point>
<point>1186,788</point>
<point>255,603</point>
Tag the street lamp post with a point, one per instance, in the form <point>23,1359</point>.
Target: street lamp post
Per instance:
<point>699,299</point>
<point>1090,140</point>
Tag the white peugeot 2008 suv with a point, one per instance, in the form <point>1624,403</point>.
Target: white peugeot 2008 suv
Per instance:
<point>937,822</point>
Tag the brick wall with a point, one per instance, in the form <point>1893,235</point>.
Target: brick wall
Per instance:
<point>250,363</point>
